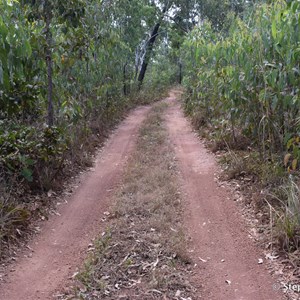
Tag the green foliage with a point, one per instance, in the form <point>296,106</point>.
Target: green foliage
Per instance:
<point>92,46</point>
<point>24,149</point>
<point>249,80</point>
<point>16,90</point>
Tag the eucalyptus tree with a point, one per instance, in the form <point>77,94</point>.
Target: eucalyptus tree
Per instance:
<point>51,13</point>
<point>178,15</point>
<point>249,79</point>
<point>15,49</point>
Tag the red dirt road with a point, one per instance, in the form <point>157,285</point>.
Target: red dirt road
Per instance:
<point>227,259</point>
<point>61,246</point>
<point>220,245</point>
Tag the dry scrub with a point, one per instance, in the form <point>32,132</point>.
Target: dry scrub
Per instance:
<point>142,254</point>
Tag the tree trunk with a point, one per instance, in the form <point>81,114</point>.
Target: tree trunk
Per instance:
<point>148,54</point>
<point>124,80</point>
<point>180,73</point>
<point>49,70</point>
<point>149,48</point>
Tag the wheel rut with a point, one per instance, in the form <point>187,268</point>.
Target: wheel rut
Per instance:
<point>61,246</point>
<point>226,258</point>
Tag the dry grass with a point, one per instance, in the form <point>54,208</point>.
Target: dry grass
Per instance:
<point>142,254</point>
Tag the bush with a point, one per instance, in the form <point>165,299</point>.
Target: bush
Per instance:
<point>24,150</point>
<point>249,77</point>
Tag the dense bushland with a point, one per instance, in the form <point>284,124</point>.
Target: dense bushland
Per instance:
<point>244,83</point>
<point>65,72</point>
<point>250,76</point>
<point>68,72</point>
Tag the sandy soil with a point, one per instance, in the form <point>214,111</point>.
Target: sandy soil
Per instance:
<point>61,246</point>
<point>226,258</point>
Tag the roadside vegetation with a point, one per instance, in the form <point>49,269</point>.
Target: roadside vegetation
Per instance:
<point>242,93</point>
<point>142,254</point>
<point>70,70</point>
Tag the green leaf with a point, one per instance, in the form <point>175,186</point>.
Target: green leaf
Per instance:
<point>27,174</point>
<point>28,49</point>
<point>274,29</point>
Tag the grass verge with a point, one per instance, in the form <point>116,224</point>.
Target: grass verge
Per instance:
<point>142,253</point>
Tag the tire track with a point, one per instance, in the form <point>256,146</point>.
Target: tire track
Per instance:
<point>61,246</point>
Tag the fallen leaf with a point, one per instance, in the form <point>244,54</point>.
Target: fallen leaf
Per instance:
<point>294,164</point>
<point>203,260</point>
<point>271,257</point>
<point>75,274</point>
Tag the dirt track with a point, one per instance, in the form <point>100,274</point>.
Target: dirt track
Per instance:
<point>220,245</point>
<point>63,241</point>
<point>226,258</point>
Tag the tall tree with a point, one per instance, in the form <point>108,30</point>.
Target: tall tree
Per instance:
<point>150,43</point>
<point>50,12</point>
